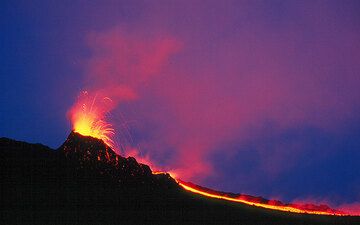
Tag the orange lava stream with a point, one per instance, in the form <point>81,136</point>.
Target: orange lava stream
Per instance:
<point>284,208</point>
<point>262,205</point>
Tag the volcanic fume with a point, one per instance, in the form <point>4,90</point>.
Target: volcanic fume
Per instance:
<point>91,145</point>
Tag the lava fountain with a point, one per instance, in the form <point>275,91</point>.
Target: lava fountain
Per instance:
<point>88,118</point>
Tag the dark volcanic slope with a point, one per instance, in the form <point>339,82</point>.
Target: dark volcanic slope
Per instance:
<point>85,182</point>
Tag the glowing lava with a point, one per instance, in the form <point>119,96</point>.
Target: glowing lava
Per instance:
<point>275,205</point>
<point>258,202</point>
<point>88,119</point>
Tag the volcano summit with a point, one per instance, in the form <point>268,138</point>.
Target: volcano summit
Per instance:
<point>86,182</point>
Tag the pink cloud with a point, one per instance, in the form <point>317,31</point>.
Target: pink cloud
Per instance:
<point>351,208</point>
<point>197,107</point>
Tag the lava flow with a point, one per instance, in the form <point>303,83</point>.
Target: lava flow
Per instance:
<point>258,201</point>
<point>263,203</point>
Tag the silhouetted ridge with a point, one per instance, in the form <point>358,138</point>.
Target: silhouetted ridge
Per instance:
<point>86,182</point>
<point>94,155</point>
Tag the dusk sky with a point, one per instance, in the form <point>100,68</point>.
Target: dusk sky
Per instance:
<point>258,97</point>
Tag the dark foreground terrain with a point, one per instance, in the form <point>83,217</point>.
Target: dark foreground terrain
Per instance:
<point>85,182</point>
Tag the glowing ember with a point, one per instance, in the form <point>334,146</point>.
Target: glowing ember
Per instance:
<point>88,119</point>
<point>275,205</point>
